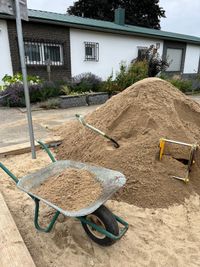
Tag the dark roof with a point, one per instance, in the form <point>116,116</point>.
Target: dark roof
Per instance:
<point>107,26</point>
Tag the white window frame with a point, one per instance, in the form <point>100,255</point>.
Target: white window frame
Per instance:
<point>42,55</point>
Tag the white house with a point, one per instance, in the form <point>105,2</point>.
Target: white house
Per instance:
<point>5,56</point>
<point>75,45</point>
<point>112,50</point>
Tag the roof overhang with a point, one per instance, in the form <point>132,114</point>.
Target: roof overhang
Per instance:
<point>128,31</point>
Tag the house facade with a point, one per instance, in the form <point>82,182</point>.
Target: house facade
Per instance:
<point>5,56</point>
<point>69,45</point>
<point>39,41</point>
<point>113,49</point>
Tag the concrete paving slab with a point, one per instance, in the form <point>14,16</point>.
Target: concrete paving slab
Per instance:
<point>14,127</point>
<point>196,98</point>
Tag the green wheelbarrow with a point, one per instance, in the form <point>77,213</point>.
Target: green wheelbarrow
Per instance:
<point>100,224</point>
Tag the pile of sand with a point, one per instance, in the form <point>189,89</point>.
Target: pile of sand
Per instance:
<point>137,118</point>
<point>72,189</point>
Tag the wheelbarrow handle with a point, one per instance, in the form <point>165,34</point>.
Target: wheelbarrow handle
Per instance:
<point>14,178</point>
<point>45,147</point>
<point>3,167</point>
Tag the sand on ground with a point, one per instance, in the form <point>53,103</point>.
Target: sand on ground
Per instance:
<point>167,237</point>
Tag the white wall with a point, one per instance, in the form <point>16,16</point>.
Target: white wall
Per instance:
<point>5,58</point>
<point>113,49</point>
<point>192,59</point>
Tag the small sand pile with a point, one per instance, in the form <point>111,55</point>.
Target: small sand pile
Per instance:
<point>73,189</point>
<point>137,118</point>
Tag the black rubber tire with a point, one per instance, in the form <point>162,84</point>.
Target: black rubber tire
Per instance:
<point>110,223</point>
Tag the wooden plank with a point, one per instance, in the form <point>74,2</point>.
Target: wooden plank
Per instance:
<point>13,251</point>
<point>25,147</point>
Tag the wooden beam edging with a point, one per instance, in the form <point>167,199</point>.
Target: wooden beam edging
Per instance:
<point>25,147</point>
<point>13,251</point>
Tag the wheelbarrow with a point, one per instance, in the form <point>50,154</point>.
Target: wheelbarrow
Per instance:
<point>100,224</point>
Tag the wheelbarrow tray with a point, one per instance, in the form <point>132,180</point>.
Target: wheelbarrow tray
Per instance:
<point>110,180</point>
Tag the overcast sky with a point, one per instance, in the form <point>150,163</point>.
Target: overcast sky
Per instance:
<point>182,15</point>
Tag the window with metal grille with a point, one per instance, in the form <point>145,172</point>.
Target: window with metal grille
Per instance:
<point>39,53</point>
<point>91,51</point>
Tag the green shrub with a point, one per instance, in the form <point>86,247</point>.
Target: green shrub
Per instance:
<point>110,85</point>
<point>138,71</point>
<point>52,103</point>
<point>49,89</point>
<point>126,76</point>
<point>18,78</point>
<point>65,89</point>
<point>85,82</point>
<point>38,93</point>
<point>183,85</point>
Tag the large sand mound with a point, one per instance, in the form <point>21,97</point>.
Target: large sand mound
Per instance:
<point>137,118</point>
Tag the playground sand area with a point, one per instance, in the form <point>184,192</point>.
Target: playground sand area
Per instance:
<point>156,237</point>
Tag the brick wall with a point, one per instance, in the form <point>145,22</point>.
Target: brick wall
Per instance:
<point>40,32</point>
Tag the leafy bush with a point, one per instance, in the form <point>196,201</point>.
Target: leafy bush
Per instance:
<point>85,82</point>
<point>52,103</point>
<point>49,89</point>
<point>110,85</point>
<point>18,78</point>
<point>65,89</point>
<point>38,92</point>
<point>126,76</point>
<point>155,63</point>
<point>183,85</point>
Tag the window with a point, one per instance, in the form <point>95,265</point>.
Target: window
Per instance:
<point>37,53</point>
<point>174,54</point>
<point>174,57</point>
<point>91,51</point>
<point>142,53</point>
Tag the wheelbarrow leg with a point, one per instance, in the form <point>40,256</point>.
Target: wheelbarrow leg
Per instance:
<point>36,223</point>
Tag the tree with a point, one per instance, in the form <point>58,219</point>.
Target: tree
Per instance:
<point>144,13</point>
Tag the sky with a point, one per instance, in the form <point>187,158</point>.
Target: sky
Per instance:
<point>182,16</point>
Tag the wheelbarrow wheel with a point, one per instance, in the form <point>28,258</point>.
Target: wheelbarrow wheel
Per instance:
<point>104,218</point>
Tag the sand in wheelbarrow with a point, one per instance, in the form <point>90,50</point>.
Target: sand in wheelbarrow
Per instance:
<point>72,189</point>
<point>137,118</point>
